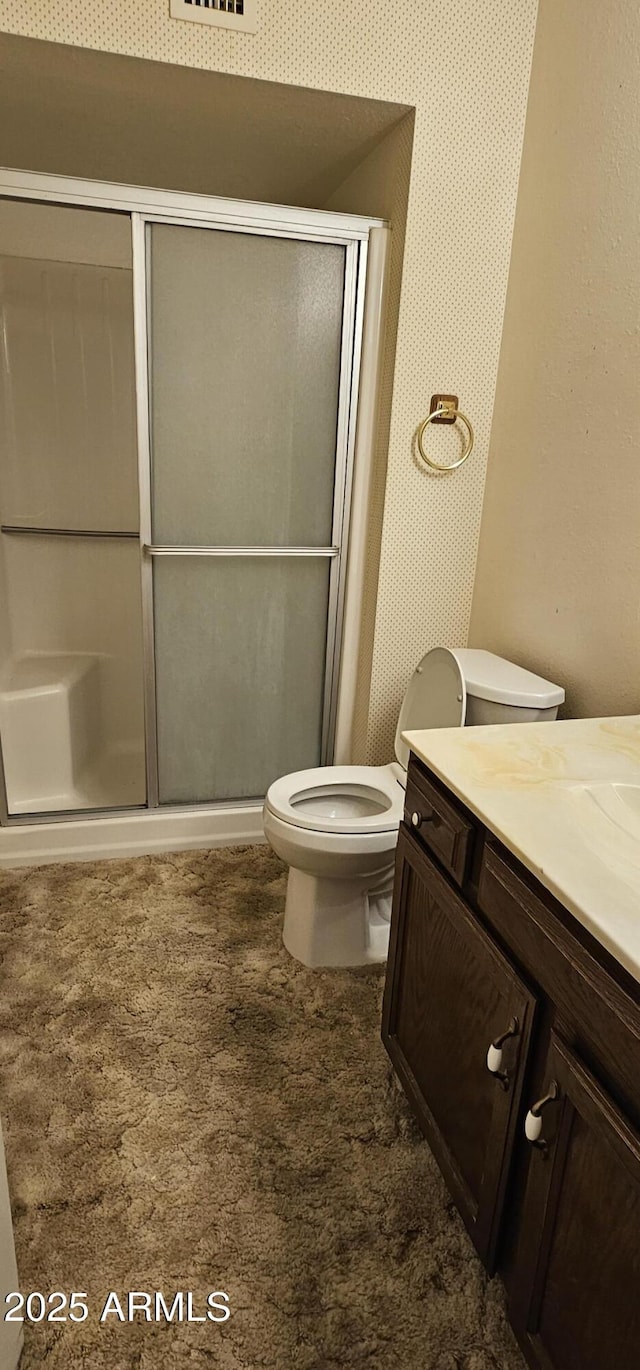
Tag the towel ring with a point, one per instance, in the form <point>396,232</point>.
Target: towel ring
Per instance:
<point>445,411</point>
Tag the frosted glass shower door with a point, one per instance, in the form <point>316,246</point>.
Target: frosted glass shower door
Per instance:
<point>247,401</point>
<point>72,727</point>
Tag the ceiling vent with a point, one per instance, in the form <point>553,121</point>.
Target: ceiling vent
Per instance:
<point>224,14</point>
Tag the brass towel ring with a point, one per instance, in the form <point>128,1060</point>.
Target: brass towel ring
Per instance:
<point>445,411</point>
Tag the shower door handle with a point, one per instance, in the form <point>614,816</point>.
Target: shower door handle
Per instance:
<point>153,550</point>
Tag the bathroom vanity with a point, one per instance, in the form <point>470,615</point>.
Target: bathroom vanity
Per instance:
<point>512,1015</point>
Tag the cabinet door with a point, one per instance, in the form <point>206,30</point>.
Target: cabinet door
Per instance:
<point>581,1227</point>
<point>449,994</point>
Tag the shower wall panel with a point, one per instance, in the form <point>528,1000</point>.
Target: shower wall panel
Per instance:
<point>83,595</point>
<point>5,621</point>
<point>67,422</point>
<point>59,233</point>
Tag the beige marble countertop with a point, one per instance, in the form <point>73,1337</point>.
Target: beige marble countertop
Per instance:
<point>564,797</point>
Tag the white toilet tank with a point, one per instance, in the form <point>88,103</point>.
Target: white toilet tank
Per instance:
<point>498,691</point>
<point>454,687</point>
<point>491,711</point>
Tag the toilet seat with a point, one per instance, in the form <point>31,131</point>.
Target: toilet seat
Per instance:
<point>339,799</point>
<point>436,697</point>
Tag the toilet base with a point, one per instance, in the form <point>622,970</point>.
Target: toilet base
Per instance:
<point>331,922</point>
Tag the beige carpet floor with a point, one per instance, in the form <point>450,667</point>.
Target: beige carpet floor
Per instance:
<point>186,1108</point>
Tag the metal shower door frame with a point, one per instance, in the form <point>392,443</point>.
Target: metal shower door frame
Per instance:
<point>356,248</point>
<point>366,240</point>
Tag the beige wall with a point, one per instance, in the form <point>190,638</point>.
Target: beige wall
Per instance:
<point>465,68</point>
<point>379,186</point>
<point>110,116</point>
<point>558,577</point>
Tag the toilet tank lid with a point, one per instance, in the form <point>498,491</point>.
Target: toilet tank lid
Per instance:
<point>491,677</point>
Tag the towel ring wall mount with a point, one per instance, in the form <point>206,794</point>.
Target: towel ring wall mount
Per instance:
<point>444,409</point>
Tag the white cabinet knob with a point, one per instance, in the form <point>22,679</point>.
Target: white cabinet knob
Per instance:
<point>494,1053</point>
<point>533,1120</point>
<point>532,1126</point>
<point>494,1059</point>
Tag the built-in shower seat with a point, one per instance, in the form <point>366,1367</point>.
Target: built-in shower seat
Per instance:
<point>50,721</point>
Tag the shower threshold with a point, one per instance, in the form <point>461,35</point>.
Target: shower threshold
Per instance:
<point>94,837</point>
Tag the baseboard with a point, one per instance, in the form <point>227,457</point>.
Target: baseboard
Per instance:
<point>143,834</point>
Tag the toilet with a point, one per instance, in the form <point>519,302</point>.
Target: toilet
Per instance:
<point>337,826</point>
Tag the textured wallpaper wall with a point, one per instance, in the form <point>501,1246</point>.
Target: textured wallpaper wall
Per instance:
<point>464,65</point>
<point>559,561</point>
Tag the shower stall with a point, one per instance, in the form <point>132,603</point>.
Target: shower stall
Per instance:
<point>181,379</point>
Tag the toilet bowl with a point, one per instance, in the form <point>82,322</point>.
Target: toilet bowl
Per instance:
<point>337,826</point>
<point>337,829</point>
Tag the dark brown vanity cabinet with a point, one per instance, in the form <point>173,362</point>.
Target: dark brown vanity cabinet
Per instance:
<point>518,1047</point>
<point>582,1223</point>
<point>451,994</point>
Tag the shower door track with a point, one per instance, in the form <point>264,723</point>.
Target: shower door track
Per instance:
<point>366,242</point>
